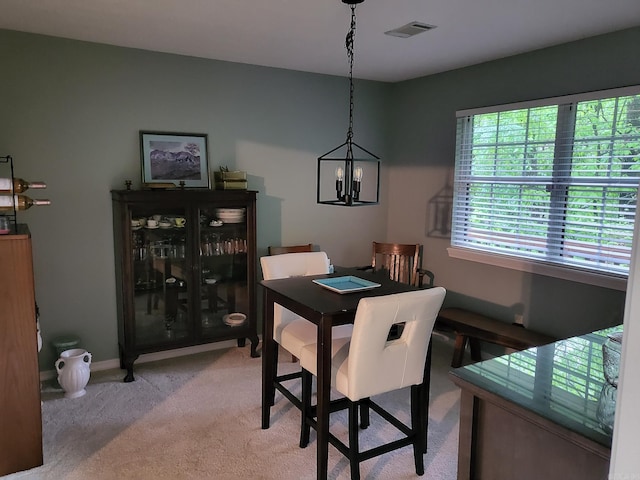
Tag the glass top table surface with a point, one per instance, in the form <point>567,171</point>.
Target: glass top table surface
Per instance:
<point>562,382</point>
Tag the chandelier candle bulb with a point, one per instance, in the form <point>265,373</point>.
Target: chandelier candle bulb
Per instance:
<point>19,202</point>
<point>339,177</point>
<point>357,179</point>
<point>18,185</point>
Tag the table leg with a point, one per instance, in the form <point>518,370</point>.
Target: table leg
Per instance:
<point>324,390</point>
<point>268,357</point>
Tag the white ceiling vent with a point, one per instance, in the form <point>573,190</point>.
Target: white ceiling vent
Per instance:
<point>410,29</point>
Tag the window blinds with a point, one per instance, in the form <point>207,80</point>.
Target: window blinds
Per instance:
<point>551,183</point>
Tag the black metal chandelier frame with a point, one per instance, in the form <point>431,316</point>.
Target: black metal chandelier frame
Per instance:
<point>348,180</point>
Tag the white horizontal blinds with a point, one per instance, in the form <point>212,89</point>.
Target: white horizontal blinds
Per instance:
<point>604,168</point>
<point>502,173</point>
<point>553,183</point>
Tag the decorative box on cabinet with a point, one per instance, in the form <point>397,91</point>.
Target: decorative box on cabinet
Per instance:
<point>178,281</point>
<point>20,412</point>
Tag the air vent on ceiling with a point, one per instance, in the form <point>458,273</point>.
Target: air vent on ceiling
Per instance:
<point>410,29</point>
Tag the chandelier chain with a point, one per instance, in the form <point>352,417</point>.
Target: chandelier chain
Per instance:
<point>350,54</point>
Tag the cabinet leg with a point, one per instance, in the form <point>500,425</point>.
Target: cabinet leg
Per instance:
<point>254,346</point>
<point>128,365</point>
<point>241,342</point>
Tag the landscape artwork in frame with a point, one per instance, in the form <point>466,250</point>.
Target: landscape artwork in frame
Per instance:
<point>175,158</point>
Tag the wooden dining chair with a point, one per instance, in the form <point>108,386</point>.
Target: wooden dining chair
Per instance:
<point>402,261</point>
<point>273,250</point>
<point>291,331</point>
<point>367,364</point>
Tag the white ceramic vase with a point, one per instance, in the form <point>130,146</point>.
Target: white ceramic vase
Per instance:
<point>73,371</point>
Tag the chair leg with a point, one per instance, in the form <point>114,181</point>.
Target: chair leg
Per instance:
<point>364,415</point>
<point>354,449</point>
<point>425,393</point>
<point>418,428</point>
<point>305,428</point>
<point>275,373</point>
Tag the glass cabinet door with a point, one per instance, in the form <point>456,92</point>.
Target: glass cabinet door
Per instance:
<point>223,294</point>
<point>160,275</point>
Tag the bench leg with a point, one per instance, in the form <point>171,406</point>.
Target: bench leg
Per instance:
<point>474,344</point>
<point>458,350</point>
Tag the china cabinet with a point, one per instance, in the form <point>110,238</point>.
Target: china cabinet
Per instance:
<point>185,269</point>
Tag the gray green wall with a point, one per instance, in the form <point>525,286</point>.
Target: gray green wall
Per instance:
<point>423,147</point>
<point>71,113</point>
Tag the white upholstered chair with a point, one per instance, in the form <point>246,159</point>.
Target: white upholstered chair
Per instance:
<point>292,331</point>
<point>369,364</point>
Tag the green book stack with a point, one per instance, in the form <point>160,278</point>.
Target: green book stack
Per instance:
<point>230,180</point>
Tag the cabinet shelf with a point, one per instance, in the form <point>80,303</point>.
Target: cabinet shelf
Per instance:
<point>164,299</point>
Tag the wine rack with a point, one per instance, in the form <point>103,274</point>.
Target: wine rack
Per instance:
<point>8,159</point>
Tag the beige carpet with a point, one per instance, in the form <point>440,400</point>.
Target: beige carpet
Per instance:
<point>198,417</point>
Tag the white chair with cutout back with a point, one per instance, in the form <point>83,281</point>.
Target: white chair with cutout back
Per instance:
<point>292,331</point>
<point>369,364</point>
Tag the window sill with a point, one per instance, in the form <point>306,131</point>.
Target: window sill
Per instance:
<point>564,273</point>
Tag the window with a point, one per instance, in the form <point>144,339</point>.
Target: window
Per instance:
<point>551,183</point>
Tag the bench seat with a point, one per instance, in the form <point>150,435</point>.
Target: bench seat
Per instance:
<point>472,327</point>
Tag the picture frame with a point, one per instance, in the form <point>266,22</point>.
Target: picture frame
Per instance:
<point>172,158</point>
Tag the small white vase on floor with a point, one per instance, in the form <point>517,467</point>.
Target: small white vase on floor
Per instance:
<point>73,371</point>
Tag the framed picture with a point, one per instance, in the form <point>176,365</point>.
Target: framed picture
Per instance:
<point>175,157</point>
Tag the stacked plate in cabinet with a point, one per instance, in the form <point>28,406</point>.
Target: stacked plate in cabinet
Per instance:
<point>230,215</point>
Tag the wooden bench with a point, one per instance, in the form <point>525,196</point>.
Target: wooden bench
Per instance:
<point>472,327</point>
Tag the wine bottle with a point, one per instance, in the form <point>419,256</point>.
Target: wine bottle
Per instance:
<point>21,202</point>
<point>18,185</point>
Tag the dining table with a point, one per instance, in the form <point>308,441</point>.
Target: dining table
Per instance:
<point>325,308</point>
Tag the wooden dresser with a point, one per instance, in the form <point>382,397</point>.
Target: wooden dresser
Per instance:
<point>546,412</point>
<point>21,416</point>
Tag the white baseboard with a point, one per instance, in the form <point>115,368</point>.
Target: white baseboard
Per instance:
<point>150,357</point>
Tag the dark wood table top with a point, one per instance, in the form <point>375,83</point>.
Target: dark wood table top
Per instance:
<point>320,300</point>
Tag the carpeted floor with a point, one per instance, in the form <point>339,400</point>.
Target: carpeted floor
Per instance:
<point>198,417</point>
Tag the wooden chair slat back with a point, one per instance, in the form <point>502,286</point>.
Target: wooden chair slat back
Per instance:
<point>273,250</point>
<point>400,260</point>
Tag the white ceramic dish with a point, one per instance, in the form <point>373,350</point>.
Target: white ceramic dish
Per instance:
<point>230,210</point>
<point>230,215</point>
<point>234,319</point>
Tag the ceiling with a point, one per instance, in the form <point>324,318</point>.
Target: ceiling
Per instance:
<point>309,35</point>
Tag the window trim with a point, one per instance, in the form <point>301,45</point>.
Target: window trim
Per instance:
<point>545,102</point>
<point>613,282</point>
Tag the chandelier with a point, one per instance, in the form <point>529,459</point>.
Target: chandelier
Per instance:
<point>357,178</point>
